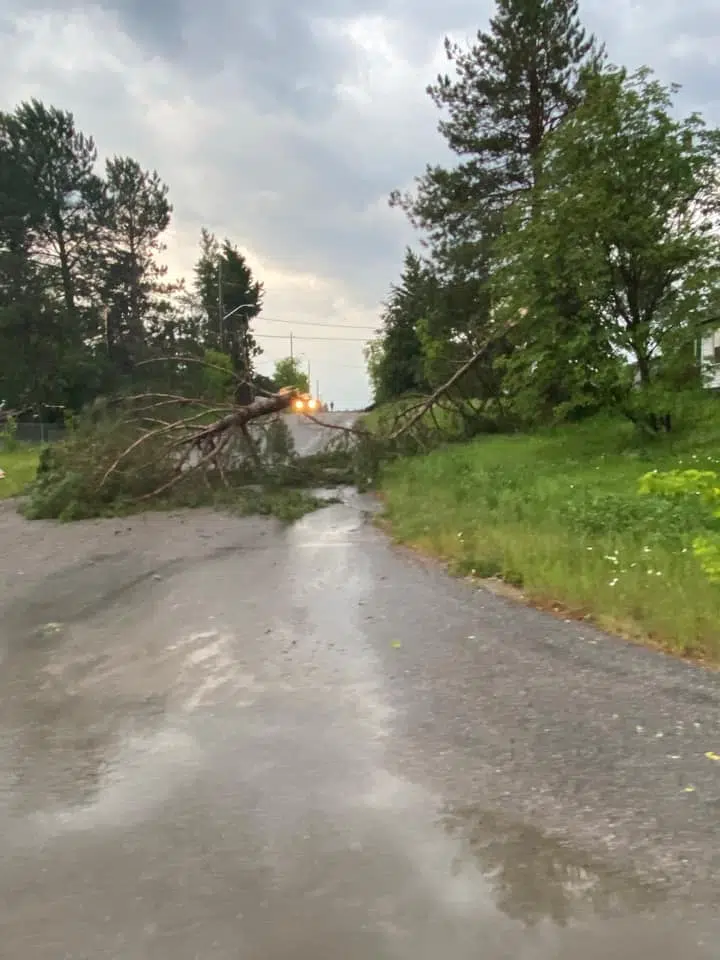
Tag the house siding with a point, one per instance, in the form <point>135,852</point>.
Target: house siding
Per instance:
<point>710,358</point>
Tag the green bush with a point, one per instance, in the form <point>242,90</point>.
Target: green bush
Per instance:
<point>698,491</point>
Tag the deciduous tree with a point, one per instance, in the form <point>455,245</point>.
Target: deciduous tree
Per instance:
<point>624,220</point>
<point>289,373</point>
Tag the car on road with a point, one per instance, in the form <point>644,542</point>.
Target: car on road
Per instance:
<point>304,403</point>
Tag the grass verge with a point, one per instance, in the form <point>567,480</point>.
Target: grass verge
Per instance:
<point>558,514</point>
<point>19,466</point>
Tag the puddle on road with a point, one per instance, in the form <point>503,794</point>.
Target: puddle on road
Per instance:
<point>535,878</point>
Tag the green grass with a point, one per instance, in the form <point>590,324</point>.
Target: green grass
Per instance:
<point>558,514</point>
<point>19,466</point>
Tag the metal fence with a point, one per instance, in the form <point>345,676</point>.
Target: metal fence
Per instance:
<point>39,432</point>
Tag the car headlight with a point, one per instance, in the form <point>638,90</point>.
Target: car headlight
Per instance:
<point>298,404</point>
<point>312,404</point>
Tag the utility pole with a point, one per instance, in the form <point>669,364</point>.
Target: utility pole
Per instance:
<point>292,359</point>
<point>106,324</point>
<point>317,389</point>
<point>221,308</point>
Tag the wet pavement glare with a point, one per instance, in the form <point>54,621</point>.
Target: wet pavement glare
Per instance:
<point>207,761</point>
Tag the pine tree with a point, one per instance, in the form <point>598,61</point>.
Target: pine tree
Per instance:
<point>60,162</point>
<point>49,195</point>
<point>230,298</point>
<point>136,213</point>
<point>399,363</point>
<point>511,88</point>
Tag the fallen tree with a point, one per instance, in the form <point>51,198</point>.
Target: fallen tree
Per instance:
<point>197,446</point>
<point>166,449</point>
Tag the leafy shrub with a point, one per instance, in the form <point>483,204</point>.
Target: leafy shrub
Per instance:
<point>9,441</point>
<point>69,483</point>
<point>702,489</point>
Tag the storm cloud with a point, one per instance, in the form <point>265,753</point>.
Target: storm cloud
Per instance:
<point>284,126</point>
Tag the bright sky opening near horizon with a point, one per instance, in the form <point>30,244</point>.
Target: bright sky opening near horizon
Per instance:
<point>284,126</point>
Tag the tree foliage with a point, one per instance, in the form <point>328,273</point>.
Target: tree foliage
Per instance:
<point>229,297</point>
<point>86,306</point>
<point>702,485</point>
<point>623,220</point>
<point>572,244</point>
<point>289,373</point>
<point>508,90</point>
<point>398,358</point>
<point>135,214</point>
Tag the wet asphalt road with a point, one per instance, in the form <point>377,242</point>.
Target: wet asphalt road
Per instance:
<point>221,739</point>
<point>312,436</point>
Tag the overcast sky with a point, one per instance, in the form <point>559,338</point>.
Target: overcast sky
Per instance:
<point>284,124</point>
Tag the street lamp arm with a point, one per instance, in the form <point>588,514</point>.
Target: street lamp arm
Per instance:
<point>241,306</point>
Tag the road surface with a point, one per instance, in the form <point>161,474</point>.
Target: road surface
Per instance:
<point>221,739</point>
<point>310,437</point>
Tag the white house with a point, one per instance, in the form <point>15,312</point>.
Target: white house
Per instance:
<point>709,351</point>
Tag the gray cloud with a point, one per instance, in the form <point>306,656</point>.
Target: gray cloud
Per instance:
<point>274,124</point>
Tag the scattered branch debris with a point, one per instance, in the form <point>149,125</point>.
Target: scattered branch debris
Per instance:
<point>168,449</point>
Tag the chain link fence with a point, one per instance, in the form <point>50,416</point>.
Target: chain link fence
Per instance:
<point>39,432</point>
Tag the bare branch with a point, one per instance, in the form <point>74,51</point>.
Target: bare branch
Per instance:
<point>420,409</point>
<point>181,475</point>
<point>353,431</point>
<point>182,358</point>
<point>209,439</point>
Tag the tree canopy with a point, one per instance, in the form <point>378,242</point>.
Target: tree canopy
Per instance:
<point>85,300</point>
<point>571,249</point>
<point>289,373</point>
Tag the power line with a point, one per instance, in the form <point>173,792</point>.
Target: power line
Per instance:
<point>280,336</point>
<point>317,323</point>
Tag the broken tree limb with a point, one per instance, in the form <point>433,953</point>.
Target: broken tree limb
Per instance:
<point>353,431</point>
<point>419,410</point>
<point>243,415</point>
<point>186,423</point>
<point>190,446</point>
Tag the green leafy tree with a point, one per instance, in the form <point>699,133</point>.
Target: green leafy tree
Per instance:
<point>24,326</point>
<point>508,91</point>
<point>622,221</point>
<point>288,373</point>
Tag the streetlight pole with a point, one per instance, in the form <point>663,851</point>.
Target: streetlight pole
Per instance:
<point>221,307</point>
<point>243,347</point>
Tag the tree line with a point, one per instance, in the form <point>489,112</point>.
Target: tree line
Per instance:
<point>86,304</point>
<point>572,247</point>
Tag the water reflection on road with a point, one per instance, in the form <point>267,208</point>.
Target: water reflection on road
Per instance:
<point>208,762</point>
